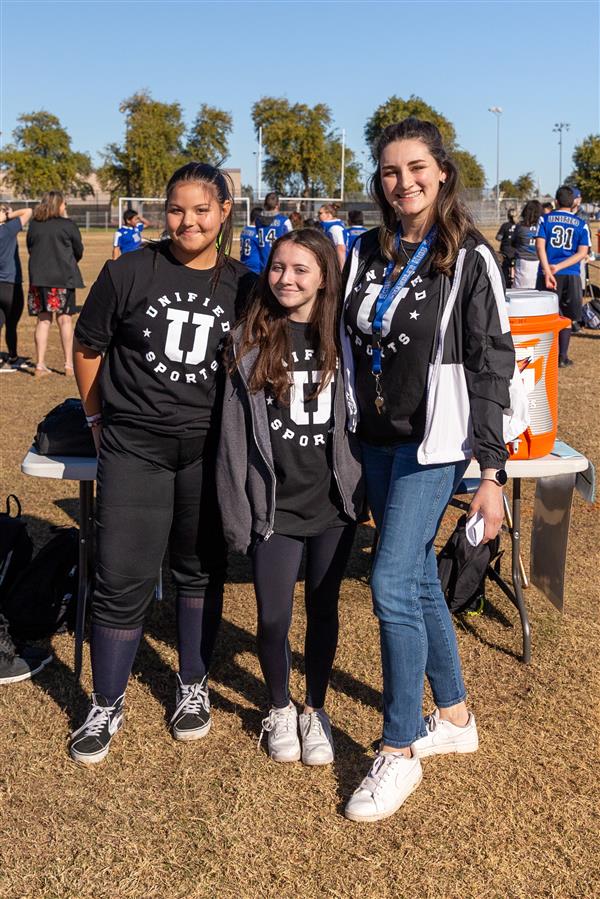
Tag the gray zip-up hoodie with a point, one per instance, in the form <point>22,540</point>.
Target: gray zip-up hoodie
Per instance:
<point>245,474</point>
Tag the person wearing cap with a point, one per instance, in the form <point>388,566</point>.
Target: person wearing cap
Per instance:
<point>562,243</point>
<point>504,235</point>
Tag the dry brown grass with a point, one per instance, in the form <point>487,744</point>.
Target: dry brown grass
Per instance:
<point>158,819</point>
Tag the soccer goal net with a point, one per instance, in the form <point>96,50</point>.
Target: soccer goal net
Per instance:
<point>153,210</point>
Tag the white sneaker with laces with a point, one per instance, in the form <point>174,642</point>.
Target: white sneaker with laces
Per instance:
<point>281,727</point>
<point>443,737</point>
<point>317,740</point>
<point>391,780</point>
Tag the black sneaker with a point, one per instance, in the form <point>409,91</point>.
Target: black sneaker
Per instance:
<point>565,363</point>
<point>17,665</point>
<point>23,665</point>
<point>191,719</point>
<point>90,743</point>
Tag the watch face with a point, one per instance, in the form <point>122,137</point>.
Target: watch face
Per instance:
<point>501,477</point>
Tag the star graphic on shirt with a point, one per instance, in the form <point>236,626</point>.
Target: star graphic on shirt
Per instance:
<point>269,401</point>
<point>147,333</point>
<point>414,315</point>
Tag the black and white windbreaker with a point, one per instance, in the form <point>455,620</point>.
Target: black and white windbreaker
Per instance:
<point>476,402</point>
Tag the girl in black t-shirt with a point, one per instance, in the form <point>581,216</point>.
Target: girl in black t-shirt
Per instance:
<point>148,364</point>
<point>289,476</point>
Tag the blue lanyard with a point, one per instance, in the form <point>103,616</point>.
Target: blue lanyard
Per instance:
<point>390,291</point>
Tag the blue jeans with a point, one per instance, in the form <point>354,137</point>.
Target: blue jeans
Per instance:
<point>408,501</point>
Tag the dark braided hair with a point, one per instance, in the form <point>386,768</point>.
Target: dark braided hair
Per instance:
<point>203,173</point>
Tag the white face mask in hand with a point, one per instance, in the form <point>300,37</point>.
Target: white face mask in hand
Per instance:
<point>474,529</point>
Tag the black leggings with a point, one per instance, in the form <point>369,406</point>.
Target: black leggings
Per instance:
<point>154,490</point>
<point>11,307</point>
<point>276,563</point>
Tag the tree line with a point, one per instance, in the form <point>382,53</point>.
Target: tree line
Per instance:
<point>302,150</point>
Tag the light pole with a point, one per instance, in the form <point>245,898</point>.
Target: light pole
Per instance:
<point>560,127</point>
<point>497,110</point>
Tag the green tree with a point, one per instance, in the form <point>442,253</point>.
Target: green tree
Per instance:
<point>152,148</point>
<point>303,153</point>
<point>525,186</point>
<point>586,159</point>
<point>41,158</point>
<point>208,138</point>
<point>471,171</point>
<point>507,188</point>
<point>395,109</point>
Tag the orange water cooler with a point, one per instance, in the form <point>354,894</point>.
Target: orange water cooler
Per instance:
<point>535,324</point>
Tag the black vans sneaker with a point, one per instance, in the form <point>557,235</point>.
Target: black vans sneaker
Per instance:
<point>191,720</point>
<point>90,743</point>
<point>23,665</point>
<point>17,665</point>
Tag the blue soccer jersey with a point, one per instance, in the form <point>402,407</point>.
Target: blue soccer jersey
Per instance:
<point>564,234</point>
<point>249,252</point>
<point>350,235</point>
<point>128,238</point>
<point>268,229</point>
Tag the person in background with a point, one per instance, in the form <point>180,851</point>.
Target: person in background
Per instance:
<point>129,236</point>
<point>271,223</point>
<point>356,227</point>
<point>562,243</point>
<point>55,247</point>
<point>249,251</point>
<point>428,357</point>
<point>296,220</point>
<point>149,344</point>
<point>504,235</point>
<point>11,280</point>
<point>547,207</point>
<point>523,242</point>
<point>576,210</point>
<point>289,477</point>
<point>334,229</point>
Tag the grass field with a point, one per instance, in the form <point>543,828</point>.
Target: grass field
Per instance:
<point>161,820</point>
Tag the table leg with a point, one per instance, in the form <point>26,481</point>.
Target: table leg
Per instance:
<point>86,531</point>
<point>516,572</point>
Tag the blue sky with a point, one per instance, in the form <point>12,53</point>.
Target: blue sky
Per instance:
<point>539,61</point>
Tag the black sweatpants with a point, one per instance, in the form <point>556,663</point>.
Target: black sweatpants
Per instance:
<point>154,491</point>
<point>276,564</point>
<point>11,308</point>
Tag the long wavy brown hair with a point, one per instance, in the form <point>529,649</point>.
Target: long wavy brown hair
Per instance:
<point>453,219</point>
<point>265,324</point>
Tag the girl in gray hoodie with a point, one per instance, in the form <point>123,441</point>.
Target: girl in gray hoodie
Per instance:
<point>289,476</point>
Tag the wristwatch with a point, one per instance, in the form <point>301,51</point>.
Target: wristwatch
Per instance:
<point>498,475</point>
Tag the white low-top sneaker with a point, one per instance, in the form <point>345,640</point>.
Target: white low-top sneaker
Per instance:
<point>443,737</point>
<point>281,727</point>
<point>391,780</point>
<point>317,741</point>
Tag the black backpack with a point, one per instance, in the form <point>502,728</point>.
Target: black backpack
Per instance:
<point>590,318</point>
<point>64,432</point>
<point>462,569</point>
<point>16,548</point>
<point>42,599</point>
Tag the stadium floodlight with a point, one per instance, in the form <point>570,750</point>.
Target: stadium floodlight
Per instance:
<point>560,127</point>
<point>497,111</point>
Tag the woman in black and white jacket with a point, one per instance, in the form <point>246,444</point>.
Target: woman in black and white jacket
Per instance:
<point>428,361</point>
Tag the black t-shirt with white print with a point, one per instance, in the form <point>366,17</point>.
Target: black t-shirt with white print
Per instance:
<point>408,332</point>
<point>162,327</point>
<point>307,500</point>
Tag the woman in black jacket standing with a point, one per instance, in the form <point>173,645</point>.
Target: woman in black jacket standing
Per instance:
<point>429,357</point>
<point>55,247</point>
